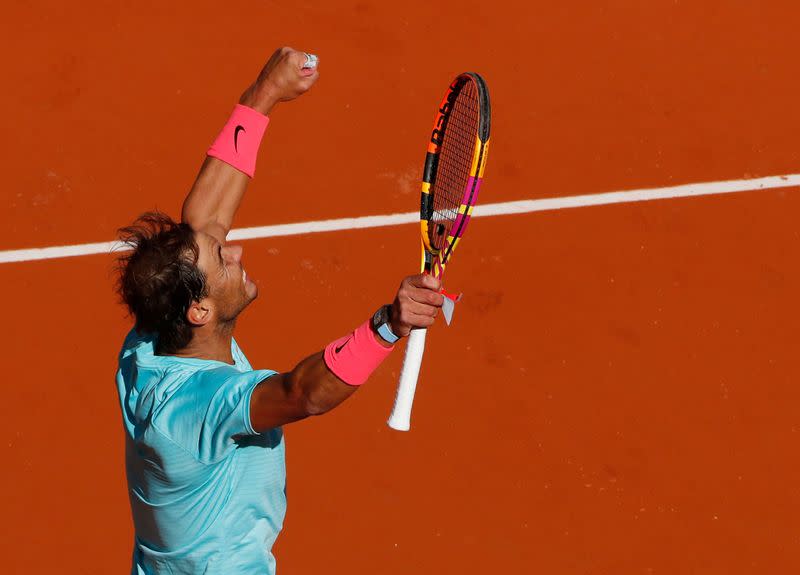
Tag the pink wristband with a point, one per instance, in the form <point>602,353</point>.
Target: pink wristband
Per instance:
<point>355,356</point>
<point>238,142</point>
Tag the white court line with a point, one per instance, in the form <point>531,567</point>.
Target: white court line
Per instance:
<point>499,209</point>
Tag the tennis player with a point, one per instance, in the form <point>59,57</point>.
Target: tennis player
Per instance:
<point>203,429</point>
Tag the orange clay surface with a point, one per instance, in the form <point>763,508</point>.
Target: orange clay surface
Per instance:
<point>618,393</point>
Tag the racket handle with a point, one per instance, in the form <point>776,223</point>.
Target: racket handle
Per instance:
<point>400,419</point>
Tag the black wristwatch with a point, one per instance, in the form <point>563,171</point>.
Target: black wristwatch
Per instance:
<point>380,323</point>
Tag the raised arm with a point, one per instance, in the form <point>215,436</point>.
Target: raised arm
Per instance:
<point>318,383</point>
<point>219,187</point>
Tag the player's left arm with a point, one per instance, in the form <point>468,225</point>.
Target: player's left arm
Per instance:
<point>219,187</point>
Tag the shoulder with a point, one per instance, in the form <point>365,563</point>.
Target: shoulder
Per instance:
<point>207,410</point>
<point>212,388</point>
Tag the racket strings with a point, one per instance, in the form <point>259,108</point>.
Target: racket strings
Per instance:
<point>455,161</point>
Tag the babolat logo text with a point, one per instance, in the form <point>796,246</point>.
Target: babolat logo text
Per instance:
<point>444,113</point>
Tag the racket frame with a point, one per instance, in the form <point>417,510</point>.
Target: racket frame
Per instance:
<point>433,259</point>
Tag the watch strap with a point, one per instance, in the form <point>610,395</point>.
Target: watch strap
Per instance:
<point>386,333</point>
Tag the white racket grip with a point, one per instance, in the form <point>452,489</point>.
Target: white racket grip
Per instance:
<point>400,419</point>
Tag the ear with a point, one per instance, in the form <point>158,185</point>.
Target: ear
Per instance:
<point>199,313</point>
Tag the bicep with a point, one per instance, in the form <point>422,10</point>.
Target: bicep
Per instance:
<point>276,401</point>
<point>309,389</point>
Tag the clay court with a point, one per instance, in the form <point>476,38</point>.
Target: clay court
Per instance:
<point>618,392</point>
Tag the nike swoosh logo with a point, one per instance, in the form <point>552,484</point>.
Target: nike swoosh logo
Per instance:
<point>236,137</point>
<point>338,349</point>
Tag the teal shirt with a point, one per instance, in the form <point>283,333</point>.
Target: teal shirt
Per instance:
<point>207,492</point>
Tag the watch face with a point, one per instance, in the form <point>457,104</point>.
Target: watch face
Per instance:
<point>381,316</point>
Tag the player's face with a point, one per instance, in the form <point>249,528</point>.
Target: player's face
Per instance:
<point>229,288</point>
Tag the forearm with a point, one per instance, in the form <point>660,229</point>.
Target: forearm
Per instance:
<point>330,377</point>
<point>319,387</point>
<point>219,187</point>
<point>320,382</point>
<point>311,388</point>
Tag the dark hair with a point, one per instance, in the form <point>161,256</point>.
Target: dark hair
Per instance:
<point>159,279</point>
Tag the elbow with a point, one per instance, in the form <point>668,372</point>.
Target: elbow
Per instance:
<point>193,215</point>
<point>207,224</point>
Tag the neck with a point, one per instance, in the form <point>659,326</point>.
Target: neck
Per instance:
<point>210,342</point>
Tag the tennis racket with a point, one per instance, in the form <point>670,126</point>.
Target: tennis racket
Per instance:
<point>451,178</point>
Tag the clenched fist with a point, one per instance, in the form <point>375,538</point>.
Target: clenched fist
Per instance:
<point>283,78</point>
<point>417,304</point>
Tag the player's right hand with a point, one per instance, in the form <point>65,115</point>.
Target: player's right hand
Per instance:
<point>283,78</point>
<point>417,304</point>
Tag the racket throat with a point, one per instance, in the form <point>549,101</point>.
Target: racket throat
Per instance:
<point>432,265</point>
